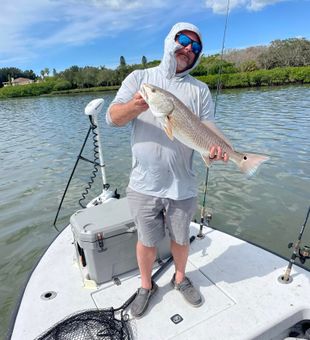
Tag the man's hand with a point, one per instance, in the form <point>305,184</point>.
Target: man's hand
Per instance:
<point>123,113</point>
<point>138,103</point>
<point>216,154</point>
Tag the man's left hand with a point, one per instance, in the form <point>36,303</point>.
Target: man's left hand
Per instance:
<point>216,154</point>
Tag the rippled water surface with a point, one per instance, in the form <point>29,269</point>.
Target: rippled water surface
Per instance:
<point>40,139</point>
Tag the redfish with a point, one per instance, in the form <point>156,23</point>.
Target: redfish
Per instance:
<point>179,122</point>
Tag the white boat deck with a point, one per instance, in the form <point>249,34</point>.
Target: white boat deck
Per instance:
<point>243,298</point>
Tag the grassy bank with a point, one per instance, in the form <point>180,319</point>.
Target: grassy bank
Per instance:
<point>85,90</point>
<point>47,88</point>
<point>276,76</point>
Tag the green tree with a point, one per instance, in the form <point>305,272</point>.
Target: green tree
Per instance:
<point>249,66</point>
<point>122,71</point>
<point>144,61</point>
<point>88,77</point>
<point>122,61</point>
<point>287,52</point>
<point>106,77</point>
<point>29,74</point>
<point>7,73</point>
<point>71,75</point>
<point>46,71</point>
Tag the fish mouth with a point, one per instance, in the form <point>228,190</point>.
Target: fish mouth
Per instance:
<point>143,92</point>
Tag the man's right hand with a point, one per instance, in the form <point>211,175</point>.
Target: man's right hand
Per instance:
<point>123,113</point>
<point>139,104</point>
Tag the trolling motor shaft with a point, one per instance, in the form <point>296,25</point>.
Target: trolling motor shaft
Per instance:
<point>92,110</point>
<point>303,253</point>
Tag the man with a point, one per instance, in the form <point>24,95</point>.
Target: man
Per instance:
<point>162,190</point>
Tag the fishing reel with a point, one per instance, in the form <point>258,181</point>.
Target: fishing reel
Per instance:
<point>208,219</point>
<point>303,252</point>
<point>204,222</point>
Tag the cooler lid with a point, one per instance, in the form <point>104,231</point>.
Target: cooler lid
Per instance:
<point>111,218</point>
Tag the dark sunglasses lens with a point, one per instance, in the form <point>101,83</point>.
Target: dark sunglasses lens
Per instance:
<point>196,47</point>
<point>184,40</point>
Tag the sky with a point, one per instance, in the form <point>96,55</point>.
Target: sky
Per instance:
<point>35,34</point>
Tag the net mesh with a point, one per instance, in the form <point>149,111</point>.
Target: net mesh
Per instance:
<point>92,325</point>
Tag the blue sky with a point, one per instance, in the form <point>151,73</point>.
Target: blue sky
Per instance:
<point>35,34</point>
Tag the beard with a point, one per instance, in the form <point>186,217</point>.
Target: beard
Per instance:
<point>183,62</point>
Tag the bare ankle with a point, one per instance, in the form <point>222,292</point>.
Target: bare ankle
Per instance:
<point>146,284</point>
<point>179,277</point>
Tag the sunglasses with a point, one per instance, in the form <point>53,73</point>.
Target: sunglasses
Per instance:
<point>184,40</point>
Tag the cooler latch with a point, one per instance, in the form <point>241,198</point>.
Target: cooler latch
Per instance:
<point>100,242</point>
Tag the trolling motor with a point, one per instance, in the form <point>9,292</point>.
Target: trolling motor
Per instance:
<point>301,252</point>
<point>92,110</point>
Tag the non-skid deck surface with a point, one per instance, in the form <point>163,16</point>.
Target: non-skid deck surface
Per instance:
<point>167,302</point>
<point>242,296</point>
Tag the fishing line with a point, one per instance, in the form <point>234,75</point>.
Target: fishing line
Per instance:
<point>218,86</point>
<point>219,79</point>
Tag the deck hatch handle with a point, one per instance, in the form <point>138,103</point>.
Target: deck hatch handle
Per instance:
<point>176,318</point>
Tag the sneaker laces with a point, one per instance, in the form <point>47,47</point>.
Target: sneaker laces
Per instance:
<point>185,284</point>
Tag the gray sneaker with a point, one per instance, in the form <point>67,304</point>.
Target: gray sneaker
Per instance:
<point>189,292</point>
<point>141,301</point>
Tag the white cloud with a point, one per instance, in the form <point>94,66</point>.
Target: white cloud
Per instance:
<point>26,29</point>
<point>30,28</point>
<point>257,5</point>
<point>220,6</point>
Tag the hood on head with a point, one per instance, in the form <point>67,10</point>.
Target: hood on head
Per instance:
<point>169,64</point>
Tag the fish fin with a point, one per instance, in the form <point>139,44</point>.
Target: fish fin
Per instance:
<point>211,125</point>
<point>251,163</point>
<point>159,114</point>
<point>168,128</point>
<point>207,160</point>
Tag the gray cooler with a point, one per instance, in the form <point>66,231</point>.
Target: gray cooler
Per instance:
<point>105,238</point>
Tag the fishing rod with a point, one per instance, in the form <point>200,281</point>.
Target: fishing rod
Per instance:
<point>303,253</point>
<point>203,223</point>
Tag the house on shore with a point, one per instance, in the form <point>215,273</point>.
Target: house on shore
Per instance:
<point>18,81</point>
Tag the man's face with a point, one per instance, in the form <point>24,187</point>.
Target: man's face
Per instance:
<point>185,56</point>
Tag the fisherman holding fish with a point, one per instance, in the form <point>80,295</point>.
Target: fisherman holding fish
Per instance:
<point>162,191</point>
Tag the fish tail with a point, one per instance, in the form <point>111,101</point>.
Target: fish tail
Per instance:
<point>250,162</point>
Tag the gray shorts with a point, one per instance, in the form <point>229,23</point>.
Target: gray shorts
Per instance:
<point>153,215</point>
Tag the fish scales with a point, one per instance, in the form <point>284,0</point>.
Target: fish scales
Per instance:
<point>179,122</point>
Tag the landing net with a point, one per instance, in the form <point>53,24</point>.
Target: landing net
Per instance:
<point>90,325</point>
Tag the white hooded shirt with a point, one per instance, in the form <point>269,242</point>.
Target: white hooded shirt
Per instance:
<point>161,167</point>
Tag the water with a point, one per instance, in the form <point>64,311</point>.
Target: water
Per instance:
<point>40,139</point>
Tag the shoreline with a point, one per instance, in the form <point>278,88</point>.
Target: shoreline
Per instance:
<point>77,92</point>
<point>241,80</point>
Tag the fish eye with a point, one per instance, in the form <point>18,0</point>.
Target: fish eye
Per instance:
<point>245,158</point>
<point>153,90</point>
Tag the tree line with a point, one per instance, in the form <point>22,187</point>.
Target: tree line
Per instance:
<point>78,77</point>
<point>293,52</point>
